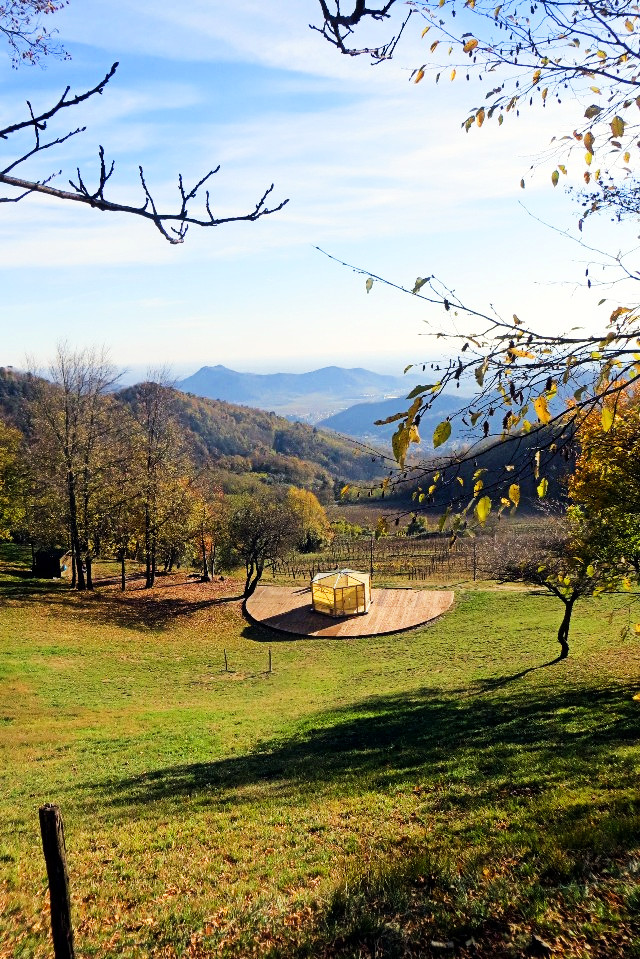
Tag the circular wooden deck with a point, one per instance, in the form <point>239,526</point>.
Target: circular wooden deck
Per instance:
<point>288,610</point>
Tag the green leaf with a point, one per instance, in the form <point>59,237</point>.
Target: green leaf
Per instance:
<point>419,390</point>
<point>555,176</point>
<point>483,508</point>
<point>443,519</point>
<point>441,433</point>
<point>400,444</point>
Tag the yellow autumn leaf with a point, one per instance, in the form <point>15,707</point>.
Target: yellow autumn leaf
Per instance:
<point>419,76</point>
<point>542,410</point>
<point>480,116</point>
<point>434,45</point>
<point>425,31</point>
<point>483,508</point>
<point>588,157</point>
<point>514,493</point>
<point>628,24</point>
<point>523,353</point>
<point>589,141</point>
<point>470,45</point>
<point>542,488</point>
<point>606,418</point>
<point>536,76</point>
<point>555,176</point>
<point>453,74</point>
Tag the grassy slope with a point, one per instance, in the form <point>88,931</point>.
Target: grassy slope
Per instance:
<point>365,796</point>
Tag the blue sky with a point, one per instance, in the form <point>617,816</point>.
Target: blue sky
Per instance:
<point>377,170</point>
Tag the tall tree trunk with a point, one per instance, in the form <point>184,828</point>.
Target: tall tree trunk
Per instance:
<point>254,575</point>
<point>563,632</point>
<point>75,536</point>
<point>149,552</point>
<point>206,578</point>
<point>89,565</point>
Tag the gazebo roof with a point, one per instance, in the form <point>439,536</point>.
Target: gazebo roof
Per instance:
<point>339,578</point>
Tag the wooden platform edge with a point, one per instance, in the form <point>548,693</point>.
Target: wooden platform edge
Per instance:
<point>389,632</point>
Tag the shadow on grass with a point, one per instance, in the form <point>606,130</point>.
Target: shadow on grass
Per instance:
<point>531,759</point>
<point>18,583</point>
<point>493,684</point>
<point>132,609</point>
<point>535,740</point>
<point>149,612</point>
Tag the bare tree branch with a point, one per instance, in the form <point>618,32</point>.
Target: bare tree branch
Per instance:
<point>172,225</point>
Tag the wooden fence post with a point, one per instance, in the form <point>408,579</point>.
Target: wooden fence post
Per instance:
<point>55,857</point>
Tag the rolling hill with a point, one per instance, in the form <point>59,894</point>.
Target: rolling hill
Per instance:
<point>306,396</point>
<point>245,445</point>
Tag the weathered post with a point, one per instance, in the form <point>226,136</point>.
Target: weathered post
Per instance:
<point>55,857</point>
<point>270,669</point>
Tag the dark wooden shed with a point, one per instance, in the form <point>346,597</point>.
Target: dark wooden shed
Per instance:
<point>46,563</point>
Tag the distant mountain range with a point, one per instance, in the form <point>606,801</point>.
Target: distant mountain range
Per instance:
<point>358,421</point>
<point>309,397</point>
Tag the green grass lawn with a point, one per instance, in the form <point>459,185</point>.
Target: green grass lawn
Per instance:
<point>367,798</point>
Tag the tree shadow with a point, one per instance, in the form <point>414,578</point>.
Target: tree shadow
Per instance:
<point>148,612</point>
<point>468,760</point>
<point>533,738</point>
<point>18,583</point>
<point>138,609</point>
<point>490,685</point>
